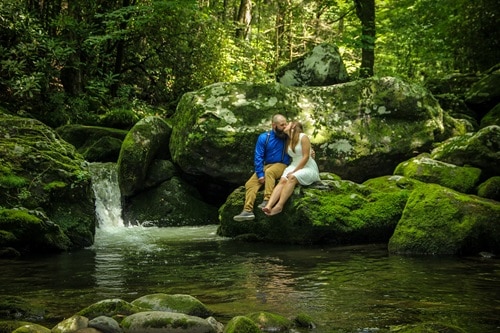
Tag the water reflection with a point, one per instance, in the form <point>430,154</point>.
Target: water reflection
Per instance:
<point>344,289</point>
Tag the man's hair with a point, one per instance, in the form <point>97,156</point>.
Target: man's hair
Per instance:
<point>277,117</point>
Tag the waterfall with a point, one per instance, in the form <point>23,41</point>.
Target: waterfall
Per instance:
<point>108,206</point>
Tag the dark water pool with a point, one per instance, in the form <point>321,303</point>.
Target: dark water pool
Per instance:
<point>345,289</point>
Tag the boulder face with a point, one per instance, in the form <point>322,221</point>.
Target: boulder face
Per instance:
<point>480,150</point>
<point>359,130</point>
<point>438,220</point>
<point>47,182</point>
<point>323,66</point>
<point>140,147</point>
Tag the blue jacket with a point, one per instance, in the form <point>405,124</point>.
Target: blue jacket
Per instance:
<point>269,149</point>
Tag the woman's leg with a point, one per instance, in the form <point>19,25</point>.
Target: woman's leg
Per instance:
<point>275,196</point>
<point>286,192</point>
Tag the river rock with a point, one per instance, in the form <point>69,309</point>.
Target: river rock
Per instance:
<point>241,324</point>
<point>105,324</point>
<point>165,322</point>
<point>322,66</point>
<point>480,150</point>
<point>143,143</point>
<point>492,117</point>
<point>359,130</point>
<point>115,308</point>
<point>48,183</point>
<point>71,324</point>
<point>178,303</point>
<point>31,328</point>
<point>438,220</point>
<point>270,322</point>
<point>463,179</point>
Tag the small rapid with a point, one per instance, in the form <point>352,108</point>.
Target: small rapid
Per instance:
<point>107,195</point>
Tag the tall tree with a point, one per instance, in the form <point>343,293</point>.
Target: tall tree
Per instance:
<point>365,10</point>
<point>244,19</point>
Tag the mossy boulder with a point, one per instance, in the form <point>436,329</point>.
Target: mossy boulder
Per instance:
<point>41,173</point>
<point>241,324</point>
<point>95,143</point>
<point>8,326</point>
<point>490,189</point>
<point>14,307</point>
<point>463,179</point>
<point>115,308</point>
<point>438,220</point>
<point>165,322</point>
<point>331,211</point>
<point>172,203</point>
<point>178,303</point>
<point>31,231</point>
<point>360,130</point>
<point>32,328</point>
<point>492,117</point>
<point>71,324</point>
<point>143,143</point>
<point>485,93</point>
<point>480,150</point>
<point>322,66</point>
<point>270,322</point>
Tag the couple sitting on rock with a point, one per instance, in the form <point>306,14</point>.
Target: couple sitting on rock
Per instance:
<point>282,153</point>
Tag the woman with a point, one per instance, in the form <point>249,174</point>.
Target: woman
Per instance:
<point>303,169</point>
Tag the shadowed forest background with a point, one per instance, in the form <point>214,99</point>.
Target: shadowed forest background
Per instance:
<point>111,63</point>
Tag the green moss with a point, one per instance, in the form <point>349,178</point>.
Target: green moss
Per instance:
<point>115,308</point>
<point>55,185</point>
<point>241,324</point>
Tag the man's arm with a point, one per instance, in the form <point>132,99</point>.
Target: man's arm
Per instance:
<point>259,153</point>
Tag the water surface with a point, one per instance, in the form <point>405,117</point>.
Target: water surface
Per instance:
<point>345,289</point>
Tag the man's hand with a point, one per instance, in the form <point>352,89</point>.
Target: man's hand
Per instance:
<point>262,180</point>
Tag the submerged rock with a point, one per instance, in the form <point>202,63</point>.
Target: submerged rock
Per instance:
<point>165,322</point>
<point>180,303</point>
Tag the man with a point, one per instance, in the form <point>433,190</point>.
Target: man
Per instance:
<point>270,160</point>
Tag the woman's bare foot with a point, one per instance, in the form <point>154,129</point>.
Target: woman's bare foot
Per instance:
<point>276,210</point>
<point>266,210</point>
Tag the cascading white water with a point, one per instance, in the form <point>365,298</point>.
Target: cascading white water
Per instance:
<point>107,195</point>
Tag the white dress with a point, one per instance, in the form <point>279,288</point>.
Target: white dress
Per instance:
<point>309,173</point>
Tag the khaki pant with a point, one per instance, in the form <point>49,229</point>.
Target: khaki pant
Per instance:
<point>272,172</point>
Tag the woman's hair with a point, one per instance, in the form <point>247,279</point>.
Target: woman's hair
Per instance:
<point>295,130</point>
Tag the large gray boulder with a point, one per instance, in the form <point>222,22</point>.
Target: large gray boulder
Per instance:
<point>46,198</point>
<point>359,130</point>
<point>322,66</point>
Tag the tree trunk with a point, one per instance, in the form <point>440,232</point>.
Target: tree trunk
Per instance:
<point>365,10</point>
<point>244,19</point>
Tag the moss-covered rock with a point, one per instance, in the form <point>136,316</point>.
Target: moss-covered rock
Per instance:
<point>270,322</point>
<point>7,326</point>
<point>96,144</point>
<point>13,307</point>
<point>44,174</point>
<point>463,179</point>
<point>115,308</point>
<point>241,324</point>
<point>165,322</point>
<point>333,211</point>
<point>32,328</point>
<point>31,231</point>
<point>490,189</point>
<point>360,129</point>
<point>492,117</point>
<point>427,327</point>
<point>139,149</point>
<point>438,220</point>
<point>480,150</point>
<point>485,93</point>
<point>173,203</point>
<point>178,303</point>
<point>71,324</point>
